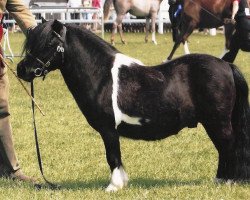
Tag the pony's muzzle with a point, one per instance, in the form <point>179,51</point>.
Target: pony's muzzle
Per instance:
<point>23,73</point>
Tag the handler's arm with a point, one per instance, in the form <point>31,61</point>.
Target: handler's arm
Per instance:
<point>21,14</point>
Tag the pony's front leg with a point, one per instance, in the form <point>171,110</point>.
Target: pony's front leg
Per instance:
<point>186,49</point>
<point>114,28</point>
<point>121,33</point>
<point>147,28</point>
<point>119,177</point>
<point>119,27</point>
<point>153,20</point>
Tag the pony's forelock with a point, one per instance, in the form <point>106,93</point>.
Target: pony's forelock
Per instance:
<point>37,37</point>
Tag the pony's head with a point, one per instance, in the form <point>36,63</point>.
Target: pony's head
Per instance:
<point>43,49</point>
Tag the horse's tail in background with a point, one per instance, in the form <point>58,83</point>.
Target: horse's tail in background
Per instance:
<point>106,9</point>
<point>241,127</point>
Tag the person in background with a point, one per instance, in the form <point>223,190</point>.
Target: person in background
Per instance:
<point>95,4</point>
<point>75,4</point>
<point>88,16</point>
<point>175,11</point>
<point>9,165</point>
<point>241,36</point>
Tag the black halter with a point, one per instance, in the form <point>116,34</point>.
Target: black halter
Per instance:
<point>43,70</point>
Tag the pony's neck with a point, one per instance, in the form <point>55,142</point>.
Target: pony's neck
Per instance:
<point>88,61</point>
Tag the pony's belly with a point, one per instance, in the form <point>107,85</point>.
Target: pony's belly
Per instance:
<point>148,132</point>
<point>140,8</point>
<point>139,12</point>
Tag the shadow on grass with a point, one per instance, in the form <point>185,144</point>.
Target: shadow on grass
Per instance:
<point>145,183</point>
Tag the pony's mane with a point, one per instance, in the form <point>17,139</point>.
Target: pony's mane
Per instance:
<point>87,36</point>
<point>38,37</point>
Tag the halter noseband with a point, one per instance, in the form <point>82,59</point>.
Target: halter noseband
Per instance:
<point>43,71</point>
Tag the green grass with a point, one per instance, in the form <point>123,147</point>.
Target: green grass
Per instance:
<point>179,167</point>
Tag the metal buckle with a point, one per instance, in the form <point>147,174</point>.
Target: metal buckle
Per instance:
<point>38,72</point>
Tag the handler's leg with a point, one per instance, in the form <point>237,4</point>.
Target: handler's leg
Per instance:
<point>9,166</point>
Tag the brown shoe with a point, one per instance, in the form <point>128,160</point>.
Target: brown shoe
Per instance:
<point>20,176</point>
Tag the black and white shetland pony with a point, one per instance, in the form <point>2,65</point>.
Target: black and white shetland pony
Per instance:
<point>119,96</point>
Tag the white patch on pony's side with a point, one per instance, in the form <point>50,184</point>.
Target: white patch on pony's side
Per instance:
<point>119,179</point>
<point>121,59</point>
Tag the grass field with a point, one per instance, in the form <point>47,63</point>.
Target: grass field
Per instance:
<point>179,167</point>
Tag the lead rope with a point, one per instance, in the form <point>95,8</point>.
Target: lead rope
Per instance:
<point>38,186</point>
<point>51,185</point>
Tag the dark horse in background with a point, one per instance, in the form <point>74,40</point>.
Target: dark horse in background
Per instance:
<point>139,8</point>
<point>202,14</point>
<point>119,96</point>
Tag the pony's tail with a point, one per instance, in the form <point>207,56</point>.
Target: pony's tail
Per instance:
<point>106,9</point>
<point>241,127</point>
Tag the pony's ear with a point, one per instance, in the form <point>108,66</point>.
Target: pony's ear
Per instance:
<point>43,20</point>
<point>57,26</point>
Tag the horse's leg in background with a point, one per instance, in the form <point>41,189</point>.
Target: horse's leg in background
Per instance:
<point>228,31</point>
<point>119,177</point>
<point>147,28</point>
<point>186,49</point>
<point>153,20</point>
<point>186,30</point>
<point>114,29</point>
<point>117,25</point>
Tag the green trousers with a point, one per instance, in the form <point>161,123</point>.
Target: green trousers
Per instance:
<point>8,159</point>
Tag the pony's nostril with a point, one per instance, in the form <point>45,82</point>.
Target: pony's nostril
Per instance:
<point>20,71</point>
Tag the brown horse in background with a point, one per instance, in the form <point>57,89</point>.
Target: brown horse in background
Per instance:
<point>139,8</point>
<point>203,14</point>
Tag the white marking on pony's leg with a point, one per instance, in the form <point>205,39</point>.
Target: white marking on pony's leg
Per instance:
<point>220,181</point>
<point>120,60</point>
<point>119,179</point>
<point>153,38</point>
<point>186,49</point>
<point>224,52</point>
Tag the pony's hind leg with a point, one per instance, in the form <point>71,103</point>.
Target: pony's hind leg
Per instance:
<point>153,20</point>
<point>223,138</point>
<point>147,28</point>
<point>117,26</point>
<point>114,28</point>
<point>121,33</point>
<point>119,177</point>
<point>186,30</point>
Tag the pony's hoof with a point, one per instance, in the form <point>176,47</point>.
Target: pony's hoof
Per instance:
<point>124,42</point>
<point>112,43</point>
<point>112,188</point>
<point>223,181</point>
<point>146,40</point>
<point>154,42</point>
<point>166,61</point>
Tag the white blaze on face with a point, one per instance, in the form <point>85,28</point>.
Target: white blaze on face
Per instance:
<point>120,60</point>
<point>119,179</point>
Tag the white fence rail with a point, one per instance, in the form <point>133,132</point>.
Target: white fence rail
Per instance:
<point>64,15</point>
